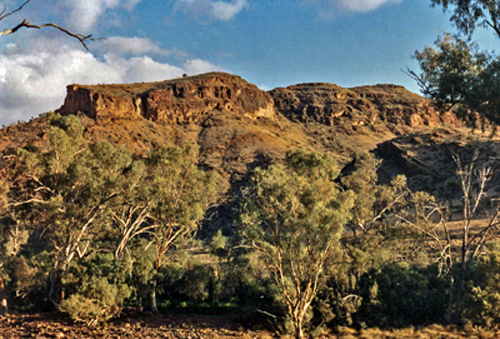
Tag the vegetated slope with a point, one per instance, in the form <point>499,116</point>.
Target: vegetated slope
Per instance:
<point>239,127</point>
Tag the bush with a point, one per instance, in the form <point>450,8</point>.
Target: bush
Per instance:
<point>483,297</point>
<point>98,288</point>
<point>96,301</point>
<point>400,295</point>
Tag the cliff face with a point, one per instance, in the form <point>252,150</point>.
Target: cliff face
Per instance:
<point>191,100</point>
<point>184,101</point>
<point>332,105</point>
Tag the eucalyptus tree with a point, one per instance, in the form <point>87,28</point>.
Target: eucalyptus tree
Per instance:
<point>181,194</point>
<point>372,200</point>
<point>455,73</point>
<point>292,215</point>
<point>470,14</point>
<point>65,192</point>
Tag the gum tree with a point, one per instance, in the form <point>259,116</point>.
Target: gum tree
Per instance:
<point>292,215</point>
<point>455,73</point>
<point>181,194</point>
<point>470,14</point>
<point>63,194</point>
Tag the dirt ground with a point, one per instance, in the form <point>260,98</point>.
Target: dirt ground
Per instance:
<point>138,327</point>
<point>172,326</point>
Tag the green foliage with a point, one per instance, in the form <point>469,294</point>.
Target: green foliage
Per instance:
<point>77,199</point>
<point>293,214</point>
<point>181,192</point>
<point>218,244</point>
<point>469,14</point>
<point>457,73</point>
<point>401,295</point>
<point>372,201</point>
<point>96,301</point>
<point>483,298</point>
<point>98,287</point>
<point>372,243</point>
<point>93,227</point>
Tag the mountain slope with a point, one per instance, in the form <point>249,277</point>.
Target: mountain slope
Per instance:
<point>238,127</point>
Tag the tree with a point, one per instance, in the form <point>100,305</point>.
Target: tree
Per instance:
<point>293,215</point>
<point>456,256</point>
<point>181,194</point>
<point>456,74</point>
<point>371,244</point>
<point>469,14</point>
<point>64,194</point>
<point>372,200</point>
<point>27,24</point>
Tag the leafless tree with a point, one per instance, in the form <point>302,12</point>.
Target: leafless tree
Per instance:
<point>27,24</point>
<point>457,252</point>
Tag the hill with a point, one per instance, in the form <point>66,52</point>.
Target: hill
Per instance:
<point>238,127</point>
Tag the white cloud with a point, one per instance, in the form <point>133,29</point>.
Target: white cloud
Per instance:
<point>331,8</point>
<point>86,14</point>
<point>34,75</point>
<point>122,45</point>
<point>219,10</point>
<point>362,5</point>
<point>197,66</point>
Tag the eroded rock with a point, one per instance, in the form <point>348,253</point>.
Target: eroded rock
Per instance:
<point>332,105</point>
<point>185,100</point>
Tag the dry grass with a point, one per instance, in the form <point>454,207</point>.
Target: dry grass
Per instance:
<point>429,332</point>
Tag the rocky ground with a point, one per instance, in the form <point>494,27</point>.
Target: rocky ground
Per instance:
<point>160,326</point>
<point>172,326</point>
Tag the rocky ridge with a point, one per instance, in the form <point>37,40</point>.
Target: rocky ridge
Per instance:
<point>239,127</point>
<point>179,101</point>
<point>332,105</point>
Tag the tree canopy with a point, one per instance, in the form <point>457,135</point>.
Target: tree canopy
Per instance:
<point>470,14</point>
<point>455,72</point>
<point>293,215</point>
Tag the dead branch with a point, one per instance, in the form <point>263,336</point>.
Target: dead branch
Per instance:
<point>3,16</point>
<point>25,23</point>
<point>80,37</point>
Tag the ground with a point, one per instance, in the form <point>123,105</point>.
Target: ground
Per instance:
<point>137,327</point>
<point>172,326</point>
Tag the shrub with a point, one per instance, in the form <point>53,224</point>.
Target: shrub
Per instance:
<point>483,297</point>
<point>400,295</point>
<point>96,301</point>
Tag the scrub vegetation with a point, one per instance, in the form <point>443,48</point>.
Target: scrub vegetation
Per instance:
<point>93,231</point>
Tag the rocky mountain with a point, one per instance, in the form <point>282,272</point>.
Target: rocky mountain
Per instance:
<point>239,127</point>
<point>179,101</point>
<point>332,105</point>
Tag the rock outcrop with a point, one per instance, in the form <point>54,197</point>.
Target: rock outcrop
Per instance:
<point>332,105</point>
<point>185,100</point>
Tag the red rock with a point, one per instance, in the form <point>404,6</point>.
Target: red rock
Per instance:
<point>186,100</point>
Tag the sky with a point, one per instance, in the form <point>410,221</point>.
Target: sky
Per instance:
<point>270,43</point>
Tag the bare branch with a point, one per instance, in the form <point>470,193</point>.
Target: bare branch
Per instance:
<point>3,16</point>
<point>25,23</point>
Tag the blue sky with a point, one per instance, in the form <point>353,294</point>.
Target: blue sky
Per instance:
<point>270,43</point>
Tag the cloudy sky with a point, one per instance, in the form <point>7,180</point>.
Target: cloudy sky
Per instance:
<point>270,43</point>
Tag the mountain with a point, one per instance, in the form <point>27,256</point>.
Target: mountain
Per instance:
<point>238,127</point>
